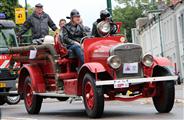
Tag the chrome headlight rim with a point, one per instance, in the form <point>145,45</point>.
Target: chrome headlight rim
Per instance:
<point>148,60</point>
<point>114,62</point>
<point>103,28</point>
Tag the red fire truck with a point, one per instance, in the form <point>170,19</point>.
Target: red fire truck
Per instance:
<point>112,69</point>
<point>7,75</point>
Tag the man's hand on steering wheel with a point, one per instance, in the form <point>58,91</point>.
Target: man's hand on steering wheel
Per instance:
<point>77,43</point>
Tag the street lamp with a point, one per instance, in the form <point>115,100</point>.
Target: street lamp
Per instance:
<point>26,8</point>
<point>109,6</point>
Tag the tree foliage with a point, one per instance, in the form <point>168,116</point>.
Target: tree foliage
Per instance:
<point>131,10</point>
<point>8,7</point>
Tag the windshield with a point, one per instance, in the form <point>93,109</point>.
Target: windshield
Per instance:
<point>7,38</point>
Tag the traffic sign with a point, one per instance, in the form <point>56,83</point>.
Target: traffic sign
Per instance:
<point>20,15</point>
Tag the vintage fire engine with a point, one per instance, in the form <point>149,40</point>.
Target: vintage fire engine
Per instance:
<point>113,70</point>
<point>8,74</point>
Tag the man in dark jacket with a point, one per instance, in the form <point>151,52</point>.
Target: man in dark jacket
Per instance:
<point>73,32</point>
<point>104,16</point>
<point>39,23</point>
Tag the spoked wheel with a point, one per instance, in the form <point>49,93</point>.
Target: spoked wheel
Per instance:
<point>164,100</point>
<point>12,100</point>
<point>32,102</point>
<point>93,97</point>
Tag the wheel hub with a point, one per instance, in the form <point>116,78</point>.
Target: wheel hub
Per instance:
<point>29,95</point>
<point>89,91</point>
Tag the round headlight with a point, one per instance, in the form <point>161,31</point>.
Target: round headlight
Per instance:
<point>114,61</point>
<point>148,60</point>
<point>103,28</point>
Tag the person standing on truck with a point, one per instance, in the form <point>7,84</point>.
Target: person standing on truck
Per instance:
<point>73,32</point>
<point>39,23</point>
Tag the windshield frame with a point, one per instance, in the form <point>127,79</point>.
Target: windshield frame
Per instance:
<point>9,34</point>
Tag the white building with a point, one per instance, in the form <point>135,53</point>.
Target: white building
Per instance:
<point>162,34</point>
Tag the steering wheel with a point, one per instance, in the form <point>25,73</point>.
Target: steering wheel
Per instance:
<point>82,40</point>
<point>38,41</point>
<point>114,28</point>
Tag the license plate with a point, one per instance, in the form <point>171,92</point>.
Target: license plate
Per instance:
<point>2,85</point>
<point>130,68</point>
<point>121,84</point>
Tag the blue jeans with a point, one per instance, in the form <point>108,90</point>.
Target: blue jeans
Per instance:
<point>78,51</point>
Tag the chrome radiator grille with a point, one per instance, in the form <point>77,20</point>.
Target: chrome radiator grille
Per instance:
<point>129,53</point>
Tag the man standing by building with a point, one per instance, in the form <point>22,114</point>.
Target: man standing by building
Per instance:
<point>39,23</point>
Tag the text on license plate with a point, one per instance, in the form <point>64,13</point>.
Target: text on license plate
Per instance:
<point>130,68</point>
<point>2,85</point>
<point>121,84</point>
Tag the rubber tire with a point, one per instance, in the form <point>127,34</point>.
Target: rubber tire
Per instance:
<point>98,109</point>
<point>2,100</point>
<point>62,99</point>
<point>164,101</point>
<point>9,102</point>
<point>36,100</point>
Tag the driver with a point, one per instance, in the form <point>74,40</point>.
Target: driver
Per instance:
<point>73,32</point>
<point>104,16</point>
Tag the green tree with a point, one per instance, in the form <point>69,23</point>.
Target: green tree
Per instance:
<point>131,10</point>
<point>8,7</point>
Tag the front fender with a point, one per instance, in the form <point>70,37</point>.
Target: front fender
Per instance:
<point>160,62</point>
<point>92,67</point>
<point>37,80</point>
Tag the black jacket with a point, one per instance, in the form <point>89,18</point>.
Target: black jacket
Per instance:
<point>73,33</point>
<point>95,31</point>
<point>38,25</point>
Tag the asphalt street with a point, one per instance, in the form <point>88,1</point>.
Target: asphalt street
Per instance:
<point>138,110</point>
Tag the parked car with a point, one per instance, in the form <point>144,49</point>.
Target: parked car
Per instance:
<point>8,75</point>
<point>112,68</point>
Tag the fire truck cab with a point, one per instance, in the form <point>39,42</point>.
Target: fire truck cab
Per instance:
<point>8,74</point>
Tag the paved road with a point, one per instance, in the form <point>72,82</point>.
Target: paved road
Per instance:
<point>137,110</point>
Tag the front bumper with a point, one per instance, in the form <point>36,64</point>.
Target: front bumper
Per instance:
<point>8,87</point>
<point>136,81</point>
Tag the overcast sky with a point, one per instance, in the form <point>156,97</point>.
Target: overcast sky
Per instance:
<point>57,9</point>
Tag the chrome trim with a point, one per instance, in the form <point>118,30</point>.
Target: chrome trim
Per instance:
<point>138,80</point>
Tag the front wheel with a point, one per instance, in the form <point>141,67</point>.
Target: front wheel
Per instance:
<point>164,100</point>
<point>93,97</point>
<point>12,100</point>
<point>32,102</point>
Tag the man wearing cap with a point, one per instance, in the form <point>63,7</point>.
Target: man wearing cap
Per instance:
<point>39,23</point>
<point>73,32</point>
<point>104,16</point>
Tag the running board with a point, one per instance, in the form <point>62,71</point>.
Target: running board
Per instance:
<point>54,94</point>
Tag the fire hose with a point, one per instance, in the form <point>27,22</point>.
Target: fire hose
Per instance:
<point>50,55</point>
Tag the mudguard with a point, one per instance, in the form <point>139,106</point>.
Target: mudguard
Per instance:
<point>94,67</point>
<point>160,62</point>
<point>37,79</point>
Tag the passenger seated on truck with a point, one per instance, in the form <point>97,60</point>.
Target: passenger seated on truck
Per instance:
<point>104,16</point>
<point>73,32</point>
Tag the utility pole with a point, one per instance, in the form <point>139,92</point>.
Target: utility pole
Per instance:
<point>109,6</point>
<point>26,8</point>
